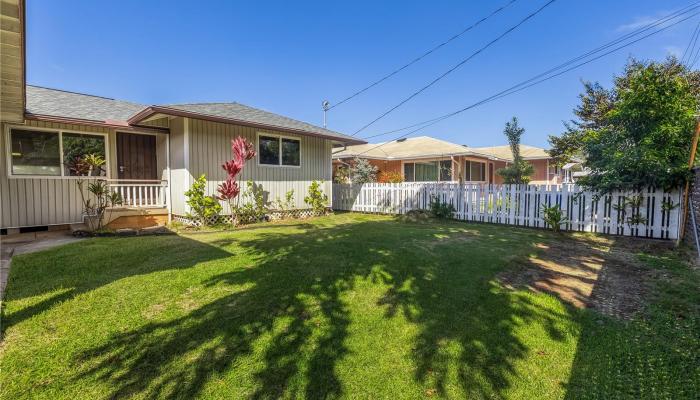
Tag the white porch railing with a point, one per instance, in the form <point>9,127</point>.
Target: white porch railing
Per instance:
<point>141,194</point>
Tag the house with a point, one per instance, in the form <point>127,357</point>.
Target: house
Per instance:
<point>153,153</point>
<point>427,159</point>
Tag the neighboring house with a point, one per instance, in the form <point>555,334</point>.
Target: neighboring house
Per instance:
<point>573,171</point>
<point>426,159</point>
<point>153,153</point>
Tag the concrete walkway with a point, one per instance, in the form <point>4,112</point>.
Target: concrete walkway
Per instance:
<point>28,243</point>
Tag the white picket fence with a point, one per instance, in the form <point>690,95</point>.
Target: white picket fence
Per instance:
<point>649,213</point>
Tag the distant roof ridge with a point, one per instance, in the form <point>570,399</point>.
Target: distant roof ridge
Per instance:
<point>205,103</point>
<point>80,93</point>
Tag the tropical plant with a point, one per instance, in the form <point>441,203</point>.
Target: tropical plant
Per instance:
<point>253,208</point>
<point>553,216</point>
<point>203,208</point>
<point>316,199</point>
<point>230,189</point>
<point>439,209</point>
<point>98,200</point>
<point>86,165</point>
<point>519,171</point>
<point>288,202</point>
<point>363,172</point>
<point>629,210</point>
<point>390,177</point>
<point>636,134</point>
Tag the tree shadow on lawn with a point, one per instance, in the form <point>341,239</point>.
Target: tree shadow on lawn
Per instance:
<point>78,268</point>
<point>292,302</point>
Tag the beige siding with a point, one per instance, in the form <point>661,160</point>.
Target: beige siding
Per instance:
<point>51,200</point>
<point>210,146</point>
<point>11,61</point>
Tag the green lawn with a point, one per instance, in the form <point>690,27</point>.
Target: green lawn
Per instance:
<point>346,306</point>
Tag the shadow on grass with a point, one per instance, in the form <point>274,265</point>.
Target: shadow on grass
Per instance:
<point>291,304</point>
<point>81,267</point>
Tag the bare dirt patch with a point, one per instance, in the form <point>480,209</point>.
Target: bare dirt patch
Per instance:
<point>602,273</point>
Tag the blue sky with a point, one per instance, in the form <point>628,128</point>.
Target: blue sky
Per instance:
<point>286,57</point>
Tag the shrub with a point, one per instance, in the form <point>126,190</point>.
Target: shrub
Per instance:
<point>288,202</point>
<point>254,208</point>
<point>317,200</point>
<point>96,207</point>
<point>553,216</point>
<point>390,177</point>
<point>204,208</point>
<point>363,172</point>
<point>342,174</point>
<point>438,209</point>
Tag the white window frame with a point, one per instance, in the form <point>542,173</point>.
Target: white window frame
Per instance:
<point>467,170</point>
<point>429,161</point>
<point>279,138</point>
<point>59,132</point>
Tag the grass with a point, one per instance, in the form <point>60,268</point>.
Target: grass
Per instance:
<point>346,306</point>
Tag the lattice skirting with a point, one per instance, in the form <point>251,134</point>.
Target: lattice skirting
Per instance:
<point>272,215</point>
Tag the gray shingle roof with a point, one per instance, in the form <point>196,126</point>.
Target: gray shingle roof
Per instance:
<point>252,115</point>
<point>59,103</point>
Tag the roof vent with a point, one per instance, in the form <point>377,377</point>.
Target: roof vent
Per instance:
<point>401,140</point>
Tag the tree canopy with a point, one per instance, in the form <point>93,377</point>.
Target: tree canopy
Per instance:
<point>636,134</point>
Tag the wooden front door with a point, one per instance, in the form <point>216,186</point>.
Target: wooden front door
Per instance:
<point>136,156</point>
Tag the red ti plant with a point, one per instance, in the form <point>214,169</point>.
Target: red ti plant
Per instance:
<point>243,151</point>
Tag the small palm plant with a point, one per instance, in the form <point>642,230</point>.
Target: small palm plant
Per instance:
<point>553,216</point>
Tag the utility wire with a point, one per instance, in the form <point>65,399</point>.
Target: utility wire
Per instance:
<point>612,43</point>
<point>691,44</point>
<point>694,50</point>
<point>422,56</point>
<point>509,92</point>
<point>461,63</point>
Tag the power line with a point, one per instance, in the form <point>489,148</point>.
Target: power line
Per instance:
<point>509,92</point>
<point>461,63</point>
<point>660,21</point>
<point>427,53</point>
<point>691,44</point>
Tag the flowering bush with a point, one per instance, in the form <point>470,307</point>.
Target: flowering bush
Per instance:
<point>390,177</point>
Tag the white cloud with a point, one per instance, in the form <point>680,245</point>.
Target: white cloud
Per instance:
<point>637,23</point>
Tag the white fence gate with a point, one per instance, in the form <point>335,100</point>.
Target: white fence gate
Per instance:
<point>649,213</point>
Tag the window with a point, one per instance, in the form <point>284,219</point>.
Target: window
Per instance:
<point>275,150</point>
<point>431,171</point>
<point>445,171</point>
<point>77,146</point>
<point>46,153</point>
<point>290,152</point>
<point>554,169</point>
<point>475,171</point>
<point>408,172</point>
<point>35,153</point>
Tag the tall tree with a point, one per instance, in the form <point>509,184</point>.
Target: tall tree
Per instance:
<point>520,170</point>
<point>638,133</point>
<point>363,172</point>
